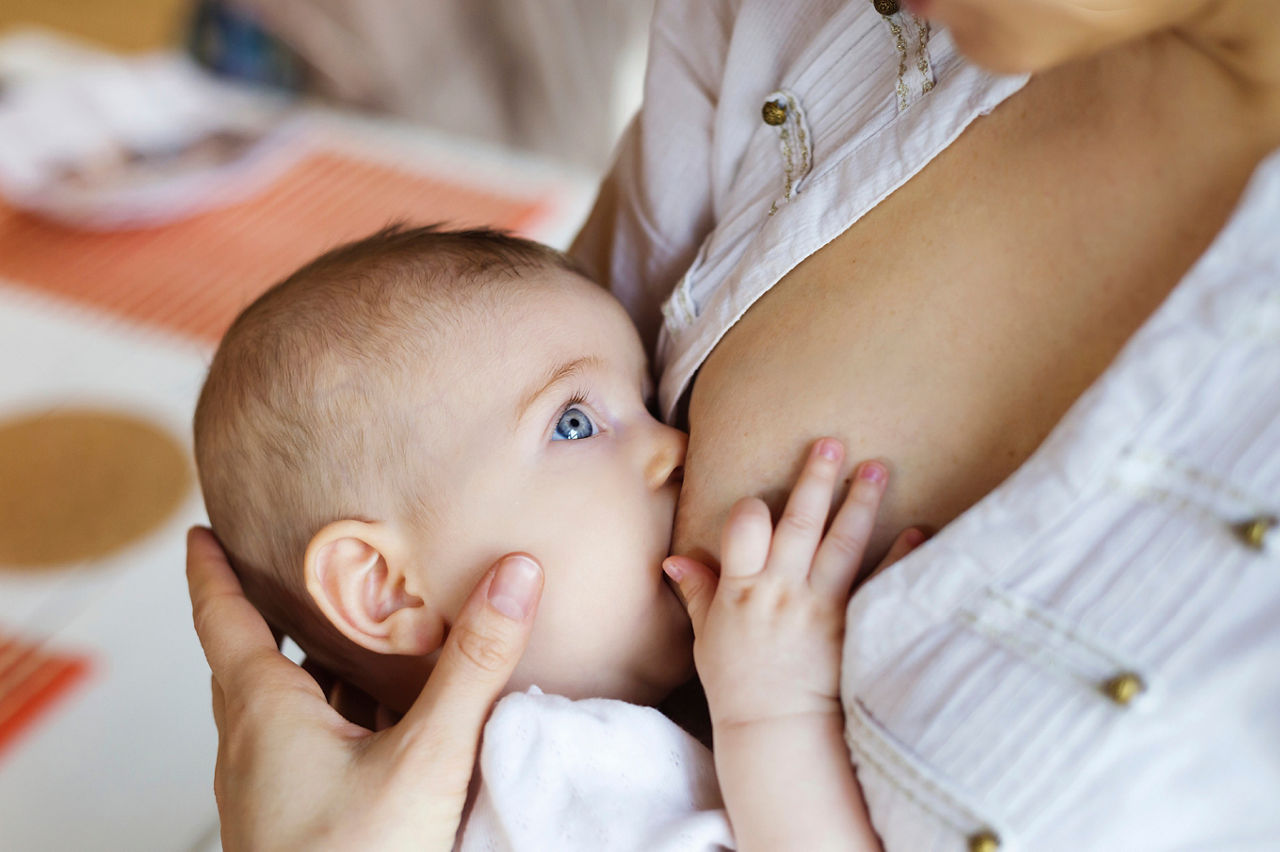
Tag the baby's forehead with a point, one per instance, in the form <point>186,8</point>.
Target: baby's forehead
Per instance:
<point>513,340</point>
<point>542,317</point>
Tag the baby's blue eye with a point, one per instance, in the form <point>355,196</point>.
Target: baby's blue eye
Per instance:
<point>573,425</point>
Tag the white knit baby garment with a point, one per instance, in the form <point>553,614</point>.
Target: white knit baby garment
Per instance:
<point>596,775</point>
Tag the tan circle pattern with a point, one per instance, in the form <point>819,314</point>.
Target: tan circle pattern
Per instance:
<point>81,484</point>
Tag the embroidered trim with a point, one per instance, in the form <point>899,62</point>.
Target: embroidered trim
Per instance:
<point>1155,477</point>
<point>922,57</point>
<point>900,42</point>
<point>1050,623</point>
<point>794,140</point>
<point>875,748</point>
<point>1030,632</point>
<point>911,87</point>
<point>1151,459</point>
<point>679,311</point>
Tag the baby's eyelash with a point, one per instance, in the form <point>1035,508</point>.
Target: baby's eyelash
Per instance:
<point>578,398</point>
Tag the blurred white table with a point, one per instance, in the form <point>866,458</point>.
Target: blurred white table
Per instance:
<point>124,759</point>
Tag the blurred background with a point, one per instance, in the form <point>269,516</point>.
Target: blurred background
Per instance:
<point>161,163</point>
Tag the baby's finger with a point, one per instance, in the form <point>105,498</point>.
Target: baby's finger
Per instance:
<point>696,585</point>
<point>907,541</point>
<point>840,554</point>
<point>744,543</point>
<point>800,528</point>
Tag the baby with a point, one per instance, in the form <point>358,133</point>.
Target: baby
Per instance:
<point>380,427</point>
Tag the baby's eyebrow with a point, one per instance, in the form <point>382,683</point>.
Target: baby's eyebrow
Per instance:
<point>554,377</point>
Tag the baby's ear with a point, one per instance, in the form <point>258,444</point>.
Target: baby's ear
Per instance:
<point>355,573</point>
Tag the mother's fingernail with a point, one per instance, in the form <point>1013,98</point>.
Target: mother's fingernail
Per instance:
<point>514,586</point>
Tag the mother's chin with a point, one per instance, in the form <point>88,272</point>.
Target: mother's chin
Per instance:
<point>1022,36</point>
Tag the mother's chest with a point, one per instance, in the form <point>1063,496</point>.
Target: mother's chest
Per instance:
<point>952,327</point>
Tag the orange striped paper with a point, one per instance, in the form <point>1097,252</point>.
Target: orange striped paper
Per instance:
<point>194,276</point>
<point>32,680</point>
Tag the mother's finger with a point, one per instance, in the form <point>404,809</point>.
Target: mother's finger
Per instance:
<point>219,702</point>
<point>233,634</point>
<point>443,726</point>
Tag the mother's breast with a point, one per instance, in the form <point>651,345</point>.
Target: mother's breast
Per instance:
<point>951,328</point>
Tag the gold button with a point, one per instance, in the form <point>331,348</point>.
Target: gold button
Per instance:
<point>1253,532</point>
<point>1123,688</point>
<point>774,113</point>
<point>886,7</point>
<point>984,841</point>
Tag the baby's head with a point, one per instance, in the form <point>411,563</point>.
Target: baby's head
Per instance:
<point>377,429</point>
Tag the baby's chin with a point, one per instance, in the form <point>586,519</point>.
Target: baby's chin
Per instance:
<point>676,671</point>
<point>669,663</point>
<point>649,681</point>
<point>646,690</point>
<point>676,668</point>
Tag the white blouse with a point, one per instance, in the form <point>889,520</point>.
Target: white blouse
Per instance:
<point>1089,658</point>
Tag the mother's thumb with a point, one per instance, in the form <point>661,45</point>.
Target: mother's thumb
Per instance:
<point>484,645</point>
<point>516,586</point>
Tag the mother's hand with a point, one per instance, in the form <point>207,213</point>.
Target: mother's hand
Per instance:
<point>293,774</point>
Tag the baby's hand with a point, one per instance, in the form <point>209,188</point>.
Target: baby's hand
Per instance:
<point>768,633</point>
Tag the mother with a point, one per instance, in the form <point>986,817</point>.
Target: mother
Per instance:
<point>826,222</point>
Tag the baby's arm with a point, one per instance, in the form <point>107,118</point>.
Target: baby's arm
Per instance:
<point>767,646</point>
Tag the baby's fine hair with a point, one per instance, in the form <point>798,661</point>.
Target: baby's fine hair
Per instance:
<point>297,424</point>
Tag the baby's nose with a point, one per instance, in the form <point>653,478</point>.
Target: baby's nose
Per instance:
<point>666,464</point>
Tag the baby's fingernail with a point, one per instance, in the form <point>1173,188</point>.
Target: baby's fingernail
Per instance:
<point>829,449</point>
<point>873,472</point>
<point>673,569</point>
<point>514,585</point>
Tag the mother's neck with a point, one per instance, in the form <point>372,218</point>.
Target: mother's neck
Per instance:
<point>1243,38</point>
